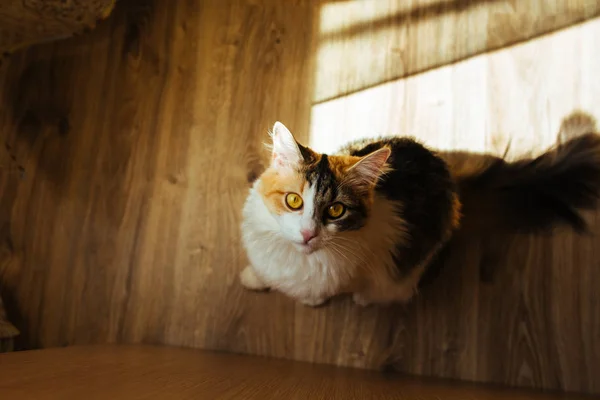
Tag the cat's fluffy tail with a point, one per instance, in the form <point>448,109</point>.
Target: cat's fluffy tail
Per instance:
<point>534,194</point>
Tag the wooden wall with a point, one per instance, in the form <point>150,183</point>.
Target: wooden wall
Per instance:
<point>127,154</point>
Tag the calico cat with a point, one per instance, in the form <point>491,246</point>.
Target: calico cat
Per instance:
<point>369,219</point>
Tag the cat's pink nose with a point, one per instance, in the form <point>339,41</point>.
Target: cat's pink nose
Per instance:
<point>307,235</point>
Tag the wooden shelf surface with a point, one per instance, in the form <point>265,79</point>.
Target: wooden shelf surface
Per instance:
<point>145,372</point>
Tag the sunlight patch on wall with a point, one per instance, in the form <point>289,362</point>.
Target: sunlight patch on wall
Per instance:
<point>519,94</point>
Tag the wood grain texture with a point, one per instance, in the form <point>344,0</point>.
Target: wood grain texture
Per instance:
<point>125,372</point>
<point>127,154</point>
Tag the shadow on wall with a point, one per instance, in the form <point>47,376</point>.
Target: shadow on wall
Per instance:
<point>476,229</point>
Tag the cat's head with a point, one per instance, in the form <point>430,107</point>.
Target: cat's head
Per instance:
<point>315,197</point>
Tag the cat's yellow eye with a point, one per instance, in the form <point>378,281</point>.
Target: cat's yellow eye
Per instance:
<point>336,210</point>
<point>294,201</point>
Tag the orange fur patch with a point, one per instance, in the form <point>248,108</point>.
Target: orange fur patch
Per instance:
<point>339,165</point>
<point>274,185</point>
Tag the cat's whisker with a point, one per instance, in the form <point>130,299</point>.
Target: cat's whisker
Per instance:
<point>361,257</point>
<point>339,250</point>
<point>348,272</point>
<point>357,244</point>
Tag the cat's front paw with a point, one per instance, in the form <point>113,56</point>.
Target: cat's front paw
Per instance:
<point>360,299</point>
<point>250,280</point>
<point>313,301</point>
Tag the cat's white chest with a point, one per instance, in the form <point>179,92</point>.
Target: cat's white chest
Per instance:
<point>294,273</point>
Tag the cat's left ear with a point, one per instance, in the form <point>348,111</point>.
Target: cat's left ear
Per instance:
<point>368,169</point>
<point>285,148</point>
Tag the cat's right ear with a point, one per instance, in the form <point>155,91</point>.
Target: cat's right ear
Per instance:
<point>286,152</point>
<point>369,169</point>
